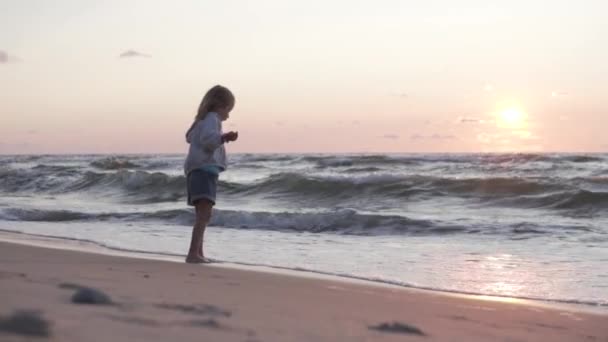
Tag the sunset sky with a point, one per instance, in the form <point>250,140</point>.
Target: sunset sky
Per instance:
<point>309,76</point>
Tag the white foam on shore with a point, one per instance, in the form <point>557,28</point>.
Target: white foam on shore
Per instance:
<point>84,246</point>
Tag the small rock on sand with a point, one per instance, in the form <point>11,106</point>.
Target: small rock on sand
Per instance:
<point>398,328</point>
<point>87,295</point>
<point>28,323</point>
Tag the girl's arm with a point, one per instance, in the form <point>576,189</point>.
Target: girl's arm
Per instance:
<point>211,135</point>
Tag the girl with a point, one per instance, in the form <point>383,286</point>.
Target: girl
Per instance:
<point>206,159</point>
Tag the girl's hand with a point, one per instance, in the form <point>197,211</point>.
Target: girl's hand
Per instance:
<point>230,136</point>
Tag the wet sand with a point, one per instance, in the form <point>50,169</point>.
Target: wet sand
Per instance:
<point>68,295</point>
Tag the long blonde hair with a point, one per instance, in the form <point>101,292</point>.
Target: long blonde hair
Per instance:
<point>216,97</point>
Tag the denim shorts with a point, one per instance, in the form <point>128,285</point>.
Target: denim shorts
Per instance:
<point>201,185</point>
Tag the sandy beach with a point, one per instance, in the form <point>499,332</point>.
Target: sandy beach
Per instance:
<point>158,300</point>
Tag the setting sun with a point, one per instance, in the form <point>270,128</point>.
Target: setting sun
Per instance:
<point>512,116</point>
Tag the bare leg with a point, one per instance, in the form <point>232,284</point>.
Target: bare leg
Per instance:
<point>203,215</point>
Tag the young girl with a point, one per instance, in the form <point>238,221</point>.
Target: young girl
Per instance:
<point>206,159</point>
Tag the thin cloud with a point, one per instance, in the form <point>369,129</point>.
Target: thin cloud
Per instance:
<point>432,137</point>
<point>390,136</point>
<point>467,119</point>
<point>132,54</point>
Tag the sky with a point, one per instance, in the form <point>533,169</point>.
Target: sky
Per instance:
<point>321,76</point>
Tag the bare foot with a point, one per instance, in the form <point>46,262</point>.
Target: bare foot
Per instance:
<point>195,259</point>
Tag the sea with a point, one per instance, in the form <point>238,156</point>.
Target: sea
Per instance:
<point>529,226</point>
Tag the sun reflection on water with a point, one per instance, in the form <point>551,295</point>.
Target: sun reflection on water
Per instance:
<point>502,276</point>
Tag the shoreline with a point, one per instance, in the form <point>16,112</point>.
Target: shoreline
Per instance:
<point>83,246</point>
<point>154,300</point>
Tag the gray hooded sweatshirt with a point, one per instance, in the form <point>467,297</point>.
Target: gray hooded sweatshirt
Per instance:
<point>206,147</point>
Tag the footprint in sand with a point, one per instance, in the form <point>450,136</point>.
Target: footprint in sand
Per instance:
<point>201,309</point>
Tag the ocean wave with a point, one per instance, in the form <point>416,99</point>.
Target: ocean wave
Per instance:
<point>299,185</point>
<point>581,199</point>
<point>150,187</point>
<point>389,185</point>
<point>182,216</point>
<point>513,158</point>
<point>583,159</point>
<point>322,162</point>
<point>494,186</point>
<point>8,159</point>
<point>368,169</point>
<point>114,163</point>
<point>250,166</point>
<point>527,228</point>
<point>549,193</point>
<point>139,186</point>
<point>345,221</point>
<point>41,178</point>
<point>601,180</point>
<point>570,201</point>
<point>325,161</point>
<point>58,169</point>
<point>473,160</point>
<point>482,178</point>
<point>520,158</point>
<point>40,215</point>
<point>341,222</point>
<point>262,158</point>
<point>388,160</point>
